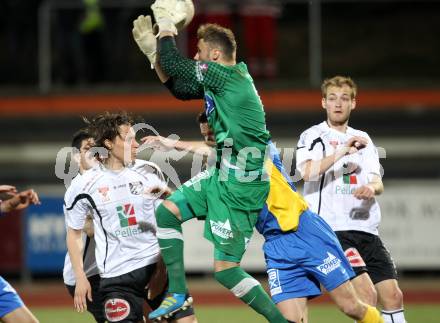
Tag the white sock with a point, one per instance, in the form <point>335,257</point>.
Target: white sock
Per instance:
<point>395,316</point>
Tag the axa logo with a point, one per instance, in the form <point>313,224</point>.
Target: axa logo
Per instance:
<point>330,263</point>
<point>222,229</point>
<point>126,214</point>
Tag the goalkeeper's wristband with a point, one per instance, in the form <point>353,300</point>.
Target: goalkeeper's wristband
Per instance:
<point>166,43</point>
<point>166,25</point>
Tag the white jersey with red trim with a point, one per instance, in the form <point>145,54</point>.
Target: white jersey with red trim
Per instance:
<point>331,194</point>
<point>123,215</point>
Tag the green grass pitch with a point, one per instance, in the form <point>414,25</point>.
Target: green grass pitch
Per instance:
<point>242,314</point>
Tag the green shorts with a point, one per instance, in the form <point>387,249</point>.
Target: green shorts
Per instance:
<point>230,208</point>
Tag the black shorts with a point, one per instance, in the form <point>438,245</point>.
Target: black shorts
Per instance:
<point>95,307</point>
<point>124,296</point>
<point>367,253</point>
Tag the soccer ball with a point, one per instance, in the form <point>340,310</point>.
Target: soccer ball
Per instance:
<point>186,6</point>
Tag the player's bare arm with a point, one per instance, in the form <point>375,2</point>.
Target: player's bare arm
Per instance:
<point>165,144</point>
<point>83,288</point>
<point>314,168</point>
<point>8,190</point>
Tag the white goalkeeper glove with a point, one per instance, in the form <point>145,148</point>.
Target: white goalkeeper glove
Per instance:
<point>172,15</point>
<point>144,37</point>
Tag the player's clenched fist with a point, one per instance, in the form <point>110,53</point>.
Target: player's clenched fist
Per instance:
<point>355,144</point>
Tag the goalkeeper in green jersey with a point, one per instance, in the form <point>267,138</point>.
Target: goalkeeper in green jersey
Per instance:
<point>230,195</point>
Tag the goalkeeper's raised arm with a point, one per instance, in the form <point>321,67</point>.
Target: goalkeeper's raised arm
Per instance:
<point>216,51</point>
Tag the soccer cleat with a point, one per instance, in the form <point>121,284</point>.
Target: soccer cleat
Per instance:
<point>171,304</point>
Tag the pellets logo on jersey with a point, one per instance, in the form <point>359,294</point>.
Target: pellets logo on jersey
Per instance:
<point>136,187</point>
<point>274,282</point>
<point>330,263</point>
<point>346,188</point>
<point>116,309</point>
<point>126,215</point>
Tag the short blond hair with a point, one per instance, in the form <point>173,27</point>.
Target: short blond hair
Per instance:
<point>339,81</point>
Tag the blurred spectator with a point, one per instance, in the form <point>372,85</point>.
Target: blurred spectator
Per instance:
<point>93,19</point>
<point>80,40</point>
<point>260,28</point>
<point>92,29</point>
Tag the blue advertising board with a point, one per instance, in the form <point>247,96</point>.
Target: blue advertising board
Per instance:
<point>45,236</point>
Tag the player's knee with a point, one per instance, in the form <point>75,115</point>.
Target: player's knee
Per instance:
<point>165,216</point>
<point>393,299</point>
<point>173,208</point>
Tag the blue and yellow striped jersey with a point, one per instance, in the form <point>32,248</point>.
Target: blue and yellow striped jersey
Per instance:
<point>284,205</point>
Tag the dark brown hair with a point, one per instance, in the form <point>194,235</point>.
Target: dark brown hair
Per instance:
<point>219,36</point>
<point>106,126</point>
<point>78,138</point>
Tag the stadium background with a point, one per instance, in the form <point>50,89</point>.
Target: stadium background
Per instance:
<point>52,72</point>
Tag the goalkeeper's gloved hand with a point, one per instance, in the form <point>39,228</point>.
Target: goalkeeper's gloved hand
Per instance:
<point>172,15</point>
<point>144,37</point>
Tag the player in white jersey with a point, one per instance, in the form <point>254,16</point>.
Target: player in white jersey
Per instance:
<point>342,175</point>
<point>118,194</point>
<point>81,143</point>
<point>12,308</point>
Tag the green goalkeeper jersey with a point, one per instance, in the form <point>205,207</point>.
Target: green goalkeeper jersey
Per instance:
<point>234,109</point>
